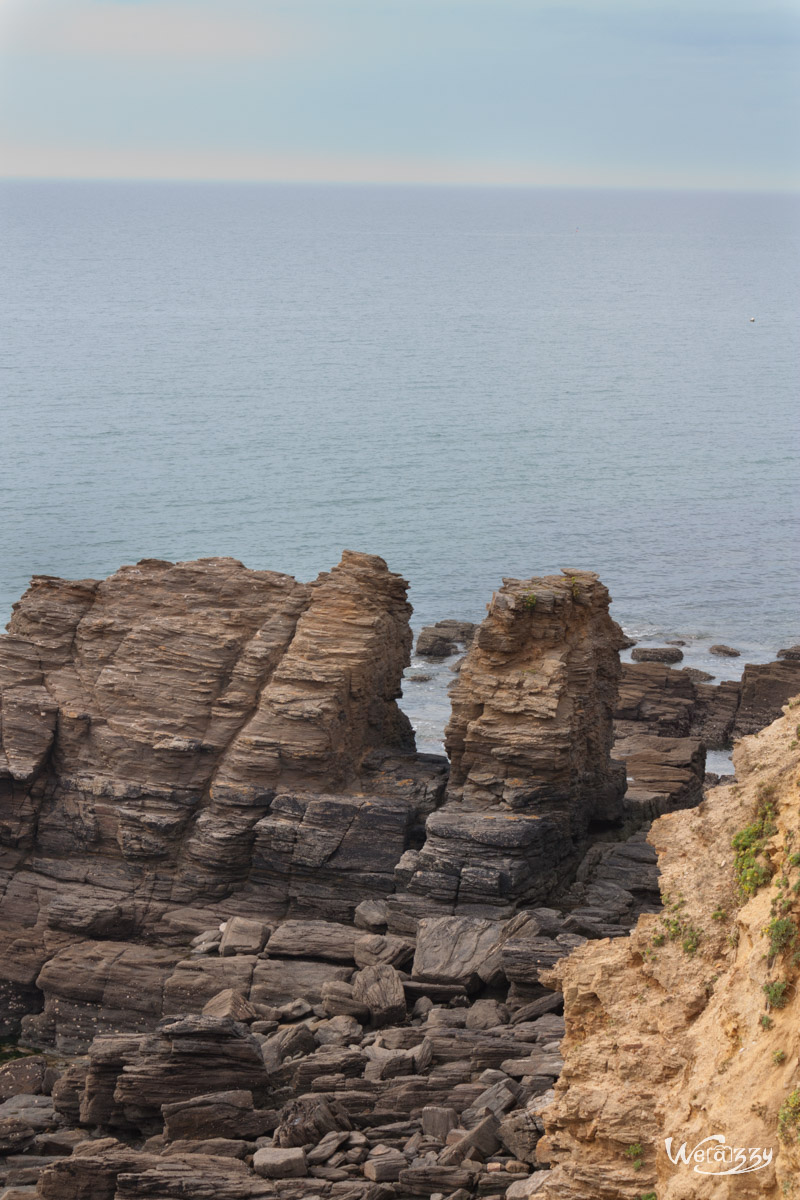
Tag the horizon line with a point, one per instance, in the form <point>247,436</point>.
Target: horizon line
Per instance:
<point>495,185</point>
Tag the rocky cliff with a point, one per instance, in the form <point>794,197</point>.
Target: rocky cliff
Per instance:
<point>689,1028</point>
<point>261,953</point>
<point>180,731</point>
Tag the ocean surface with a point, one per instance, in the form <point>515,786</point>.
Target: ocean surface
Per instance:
<point>473,383</point>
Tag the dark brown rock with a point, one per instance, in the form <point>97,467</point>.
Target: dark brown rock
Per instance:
<point>653,695</point>
<point>663,773</point>
<point>715,712</point>
<point>444,638</point>
<point>453,949</point>
<point>228,1114</point>
<point>424,1181</point>
<point>243,936</point>
<point>381,990</point>
<point>314,939</point>
<point>660,654</point>
<point>308,1120</point>
<point>765,690</point>
<point>383,948</point>
<point>23,1076</point>
<point>230,1003</point>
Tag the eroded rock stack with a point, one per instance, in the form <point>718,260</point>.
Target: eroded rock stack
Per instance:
<point>530,749</point>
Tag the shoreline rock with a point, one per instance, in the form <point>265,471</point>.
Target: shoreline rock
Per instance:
<point>266,948</point>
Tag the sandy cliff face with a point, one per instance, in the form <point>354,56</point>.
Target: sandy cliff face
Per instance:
<point>689,1028</point>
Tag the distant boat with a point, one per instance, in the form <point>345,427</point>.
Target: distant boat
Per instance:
<point>752,318</point>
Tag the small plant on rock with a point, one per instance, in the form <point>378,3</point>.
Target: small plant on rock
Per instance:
<point>782,934</point>
<point>636,1154</point>
<point>691,941</point>
<point>789,1117</point>
<point>776,993</point>
<point>749,844</point>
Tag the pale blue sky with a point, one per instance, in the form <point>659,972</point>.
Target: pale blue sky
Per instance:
<point>591,92</point>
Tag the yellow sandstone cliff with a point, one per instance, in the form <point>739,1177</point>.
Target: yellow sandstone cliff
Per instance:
<point>691,1027</point>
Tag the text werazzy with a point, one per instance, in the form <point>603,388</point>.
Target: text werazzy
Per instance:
<point>712,1156</point>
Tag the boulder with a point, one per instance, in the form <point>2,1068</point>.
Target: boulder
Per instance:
<point>230,1003</point>
<point>659,654</point>
<point>308,1120</point>
<point>370,915</point>
<point>274,1162</point>
<point>444,638</point>
<point>663,773</point>
<point>381,990</point>
<point>453,949</point>
<point>384,1165</point>
<point>22,1076</point>
<point>276,981</point>
<point>314,939</point>
<point>383,948</point>
<point>243,936</point>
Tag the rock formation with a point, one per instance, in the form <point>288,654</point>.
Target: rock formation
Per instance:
<point>529,743</point>
<point>263,955</point>
<point>444,638</point>
<point>689,1027</point>
<point>179,731</point>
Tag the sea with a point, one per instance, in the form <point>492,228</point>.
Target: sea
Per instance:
<point>471,382</point>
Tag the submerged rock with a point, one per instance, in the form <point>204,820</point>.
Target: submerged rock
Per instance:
<point>444,638</point>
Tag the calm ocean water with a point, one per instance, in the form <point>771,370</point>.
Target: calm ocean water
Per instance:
<point>472,383</point>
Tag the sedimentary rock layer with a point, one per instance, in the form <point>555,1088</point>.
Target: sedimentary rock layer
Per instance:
<point>530,748</point>
<point>179,731</point>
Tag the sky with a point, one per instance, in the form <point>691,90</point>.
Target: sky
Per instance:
<point>642,93</point>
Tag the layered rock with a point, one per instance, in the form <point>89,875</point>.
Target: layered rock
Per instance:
<point>208,800</point>
<point>765,689</point>
<point>674,703</point>
<point>180,732</point>
<point>689,1028</point>
<point>529,742</point>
